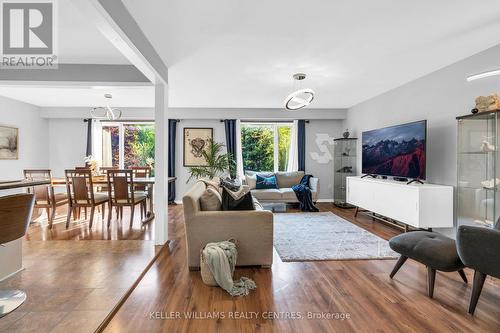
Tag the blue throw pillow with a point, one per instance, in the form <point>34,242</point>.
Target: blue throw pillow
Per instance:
<point>264,183</point>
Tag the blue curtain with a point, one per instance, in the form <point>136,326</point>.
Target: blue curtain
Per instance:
<point>172,128</point>
<point>89,136</point>
<point>230,126</point>
<point>301,144</point>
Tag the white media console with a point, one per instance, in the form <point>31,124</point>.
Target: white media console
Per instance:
<point>417,205</point>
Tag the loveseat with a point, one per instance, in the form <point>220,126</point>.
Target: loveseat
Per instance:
<point>253,230</point>
<point>284,192</point>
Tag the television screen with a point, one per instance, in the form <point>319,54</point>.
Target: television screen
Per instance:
<point>397,151</point>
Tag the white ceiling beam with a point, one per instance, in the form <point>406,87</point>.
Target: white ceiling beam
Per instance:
<point>77,73</point>
<point>114,21</point>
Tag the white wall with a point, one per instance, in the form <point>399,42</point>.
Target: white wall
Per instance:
<point>33,137</point>
<point>68,144</point>
<point>438,97</point>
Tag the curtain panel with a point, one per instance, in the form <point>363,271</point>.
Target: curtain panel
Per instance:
<point>301,145</point>
<point>172,133</point>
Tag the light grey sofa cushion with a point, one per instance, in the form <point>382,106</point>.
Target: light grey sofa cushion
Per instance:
<point>267,194</point>
<point>288,179</point>
<point>210,200</point>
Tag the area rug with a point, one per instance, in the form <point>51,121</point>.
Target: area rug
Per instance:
<point>325,236</point>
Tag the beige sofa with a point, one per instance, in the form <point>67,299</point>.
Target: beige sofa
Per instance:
<point>284,192</point>
<point>252,229</point>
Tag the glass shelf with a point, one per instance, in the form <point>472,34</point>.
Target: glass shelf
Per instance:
<point>344,159</point>
<point>477,205</point>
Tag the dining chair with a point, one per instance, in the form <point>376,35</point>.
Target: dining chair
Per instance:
<point>45,197</point>
<point>142,172</point>
<point>103,170</point>
<point>122,194</point>
<point>81,194</point>
<point>15,216</point>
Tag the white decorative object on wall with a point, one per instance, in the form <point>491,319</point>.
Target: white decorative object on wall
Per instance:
<point>322,141</point>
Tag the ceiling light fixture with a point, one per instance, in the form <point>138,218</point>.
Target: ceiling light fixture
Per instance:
<point>483,75</point>
<point>299,98</point>
<point>106,112</point>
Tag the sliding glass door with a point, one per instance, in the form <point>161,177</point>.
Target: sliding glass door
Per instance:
<point>125,145</point>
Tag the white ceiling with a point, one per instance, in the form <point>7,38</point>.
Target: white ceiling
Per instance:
<point>80,42</point>
<point>236,53</point>
<point>77,96</point>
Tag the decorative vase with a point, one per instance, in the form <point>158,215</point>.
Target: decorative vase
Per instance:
<point>346,133</point>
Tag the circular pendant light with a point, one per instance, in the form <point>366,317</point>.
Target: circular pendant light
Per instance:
<point>299,98</point>
<point>106,112</point>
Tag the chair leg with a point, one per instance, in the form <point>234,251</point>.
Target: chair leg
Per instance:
<point>92,210</point>
<point>477,287</point>
<point>110,213</point>
<point>53,216</point>
<point>48,215</point>
<point>68,217</point>
<point>463,276</point>
<point>431,278</point>
<point>396,268</point>
<point>102,210</point>
<point>142,210</point>
<point>85,209</point>
<point>132,209</point>
<point>121,212</point>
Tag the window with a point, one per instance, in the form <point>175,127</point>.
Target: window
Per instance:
<point>128,144</point>
<point>265,146</point>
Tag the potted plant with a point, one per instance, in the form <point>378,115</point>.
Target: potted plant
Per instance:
<point>217,163</point>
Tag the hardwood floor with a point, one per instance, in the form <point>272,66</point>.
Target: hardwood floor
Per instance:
<point>72,286</point>
<point>359,289</point>
<point>79,230</point>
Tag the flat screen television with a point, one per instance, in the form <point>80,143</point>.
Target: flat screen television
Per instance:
<point>397,151</point>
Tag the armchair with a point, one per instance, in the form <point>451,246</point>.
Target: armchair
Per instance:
<point>479,249</point>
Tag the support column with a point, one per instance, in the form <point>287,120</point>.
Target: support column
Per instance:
<point>161,164</point>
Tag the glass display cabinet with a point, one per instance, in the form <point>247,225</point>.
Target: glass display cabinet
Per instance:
<point>478,173</point>
<point>344,164</point>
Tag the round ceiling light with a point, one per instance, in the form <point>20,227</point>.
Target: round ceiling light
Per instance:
<point>106,112</point>
<point>299,98</point>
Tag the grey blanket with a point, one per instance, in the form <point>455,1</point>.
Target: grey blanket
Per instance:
<point>221,259</point>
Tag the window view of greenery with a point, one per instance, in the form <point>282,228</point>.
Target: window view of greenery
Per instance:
<point>258,146</point>
<point>138,145</point>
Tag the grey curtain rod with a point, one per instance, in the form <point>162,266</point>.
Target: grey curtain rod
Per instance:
<point>265,121</point>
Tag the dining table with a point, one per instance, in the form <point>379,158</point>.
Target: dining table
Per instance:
<point>101,180</point>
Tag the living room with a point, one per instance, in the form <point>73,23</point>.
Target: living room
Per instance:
<point>304,173</point>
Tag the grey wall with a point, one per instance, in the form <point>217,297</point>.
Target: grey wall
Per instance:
<point>438,97</point>
<point>33,137</point>
<point>180,171</point>
<point>68,144</point>
<point>323,171</point>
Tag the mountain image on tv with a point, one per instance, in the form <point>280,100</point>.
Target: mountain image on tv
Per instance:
<point>395,151</point>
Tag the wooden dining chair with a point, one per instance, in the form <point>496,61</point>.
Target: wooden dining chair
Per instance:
<point>103,170</point>
<point>142,172</point>
<point>81,194</point>
<point>15,216</point>
<point>122,194</point>
<point>45,197</point>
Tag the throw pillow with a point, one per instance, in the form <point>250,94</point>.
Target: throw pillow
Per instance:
<point>210,200</point>
<point>251,181</point>
<point>264,183</point>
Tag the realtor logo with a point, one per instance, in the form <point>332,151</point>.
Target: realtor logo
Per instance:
<point>28,34</point>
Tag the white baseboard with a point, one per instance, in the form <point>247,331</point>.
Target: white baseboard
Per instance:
<point>324,200</point>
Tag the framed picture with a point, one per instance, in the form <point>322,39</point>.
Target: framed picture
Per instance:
<point>195,142</point>
<point>9,143</point>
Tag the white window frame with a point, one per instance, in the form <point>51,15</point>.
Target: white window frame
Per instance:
<point>275,125</point>
<point>121,134</point>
